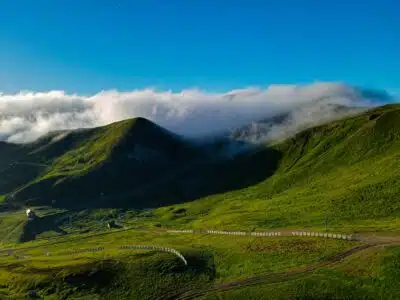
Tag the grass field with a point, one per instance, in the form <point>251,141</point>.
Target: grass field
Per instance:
<point>372,274</point>
<point>341,176</point>
<point>345,173</point>
<point>212,259</point>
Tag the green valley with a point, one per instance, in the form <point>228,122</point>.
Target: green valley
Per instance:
<point>131,182</point>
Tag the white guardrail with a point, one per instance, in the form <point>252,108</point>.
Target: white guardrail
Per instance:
<point>9,252</point>
<point>156,248</point>
<point>132,247</point>
<point>277,233</point>
<point>324,235</point>
<point>99,249</point>
<point>78,251</point>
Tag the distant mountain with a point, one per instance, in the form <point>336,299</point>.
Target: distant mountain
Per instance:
<point>138,164</point>
<point>132,163</point>
<point>341,176</point>
<point>289,123</point>
<point>92,163</point>
<point>344,172</point>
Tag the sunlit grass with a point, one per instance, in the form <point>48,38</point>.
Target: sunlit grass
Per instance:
<point>341,177</point>
<point>371,274</point>
<point>229,257</point>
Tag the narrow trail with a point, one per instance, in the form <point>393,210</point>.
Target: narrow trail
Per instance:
<point>67,240</point>
<point>270,278</point>
<point>368,241</point>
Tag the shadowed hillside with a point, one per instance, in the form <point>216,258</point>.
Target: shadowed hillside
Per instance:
<point>342,174</point>
<point>131,164</point>
<point>137,164</point>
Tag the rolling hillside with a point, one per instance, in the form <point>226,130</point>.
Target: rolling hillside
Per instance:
<point>341,176</point>
<point>92,163</point>
<point>128,164</point>
<point>344,173</point>
<point>137,164</point>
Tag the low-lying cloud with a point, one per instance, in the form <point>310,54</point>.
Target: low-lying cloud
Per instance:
<point>25,116</point>
<point>292,122</point>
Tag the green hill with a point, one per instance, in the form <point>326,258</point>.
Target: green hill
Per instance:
<point>342,170</point>
<point>344,173</point>
<point>340,177</point>
<point>91,164</point>
<point>128,164</point>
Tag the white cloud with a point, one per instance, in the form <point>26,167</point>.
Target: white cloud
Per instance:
<point>25,116</point>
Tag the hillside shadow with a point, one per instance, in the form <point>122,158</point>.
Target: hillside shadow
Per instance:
<point>212,178</point>
<point>201,179</point>
<point>119,185</point>
<point>39,225</point>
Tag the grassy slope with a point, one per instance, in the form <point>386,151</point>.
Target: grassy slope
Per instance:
<point>80,162</point>
<point>13,175</point>
<point>145,275</point>
<point>93,151</point>
<point>310,170</point>
<point>11,227</point>
<point>367,275</point>
<point>346,171</point>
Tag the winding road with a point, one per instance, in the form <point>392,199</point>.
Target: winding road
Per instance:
<point>369,241</point>
<point>269,278</point>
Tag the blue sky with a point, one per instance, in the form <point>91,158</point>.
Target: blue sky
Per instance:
<point>85,46</point>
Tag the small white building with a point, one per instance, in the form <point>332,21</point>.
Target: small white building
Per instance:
<point>30,214</point>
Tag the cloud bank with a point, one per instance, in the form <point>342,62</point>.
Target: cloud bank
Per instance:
<point>292,122</point>
<point>25,116</point>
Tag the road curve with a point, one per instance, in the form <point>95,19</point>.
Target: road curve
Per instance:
<point>371,239</point>
<point>270,278</point>
<point>368,240</point>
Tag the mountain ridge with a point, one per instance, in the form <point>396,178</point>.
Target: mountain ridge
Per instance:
<point>131,157</point>
<point>108,149</point>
